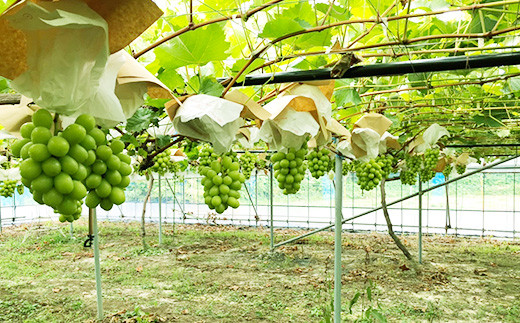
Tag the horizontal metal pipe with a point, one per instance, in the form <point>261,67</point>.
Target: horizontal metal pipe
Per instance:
<point>387,69</point>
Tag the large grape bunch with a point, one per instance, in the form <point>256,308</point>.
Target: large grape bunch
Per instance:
<point>431,157</point>
<point>248,163</point>
<point>163,163</point>
<point>7,188</point>
<point>319,162</point>
<point>59,169</point>
<point>289,169</point>
<point>222,182</point>
<point>369,174</point>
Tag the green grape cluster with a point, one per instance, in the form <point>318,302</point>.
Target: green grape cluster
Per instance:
<point>289,169</point>
<point>413,167</point>
<point>222,182</point>
<point>386,162</point>
<point>59,168</point>
<point>347,167</point>
<point>369,174</point>
<point>261,164</point>
<point>163,163</point>
<point>206,156</point>
<point>319,162</point>
<point>247,163</point>
<point>460,169</point>
<point>7,188</point>
<point>447,170</point>
<point>431,157</point>
<point>109,175</point>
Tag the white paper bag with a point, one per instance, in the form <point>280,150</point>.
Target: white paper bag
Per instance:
<point>209,118</point>
<point>67,50</point>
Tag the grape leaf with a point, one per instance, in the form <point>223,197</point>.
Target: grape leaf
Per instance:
<point>487,120</point>
<point>142,119</point>
<point>163,140</point>
<point>207,85</point>
<point>130,138</point>
<point>241,62</point>
<point>338,12</point>
<point>171,78</point>
<point>514,84</point>
<point>279,27</point>
<point>347,97</point>
<point>198,47</point>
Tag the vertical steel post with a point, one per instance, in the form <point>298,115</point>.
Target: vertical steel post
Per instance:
<point>160,211</point>
<point>271,209</point>
<point>337,240</point>
<point>71,230</point>
<point>420,220</point>
<point>184,200</point>
<point>93,221</point>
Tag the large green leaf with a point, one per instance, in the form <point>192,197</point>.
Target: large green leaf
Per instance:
<point>142,119</point>
<point>197,47</point>
<point>205,85</point>
<point>347,97</point>
<point>4,85</point>
<point>279,27</point>
<point>487,120</point>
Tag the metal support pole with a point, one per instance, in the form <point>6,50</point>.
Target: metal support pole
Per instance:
<point>337,240</point>
<point>271,209</point>
<point>93,221</point>
<point>448,218</point>
<point>72,230</point>
<point>420,220</point>
<point>160,212</point>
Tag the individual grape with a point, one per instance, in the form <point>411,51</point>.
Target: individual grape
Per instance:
<point>222,182</point>
<point>289,169</point>
<point>369,174</point>
<point>319,162</point>
<point>247,163</point>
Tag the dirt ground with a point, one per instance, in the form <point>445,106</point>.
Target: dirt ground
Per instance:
<point>228,274</point>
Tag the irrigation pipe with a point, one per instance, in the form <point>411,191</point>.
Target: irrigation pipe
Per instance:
<point>397,201</point>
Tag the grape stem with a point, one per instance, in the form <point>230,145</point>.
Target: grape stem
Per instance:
<point>56,120</point>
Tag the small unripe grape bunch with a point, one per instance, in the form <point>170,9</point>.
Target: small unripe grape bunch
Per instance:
<point>347,167</point>
<point>261,164</point>
<point>447,170</point>
<point>460,169</point>
<point>247,163</point>
<point>164,164</point>
<point>109,175</point>
<point>289,169</point>
<point>319,162</point>
<point>222,182</point>
<point>369,175</point>
<point>7,188</point>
